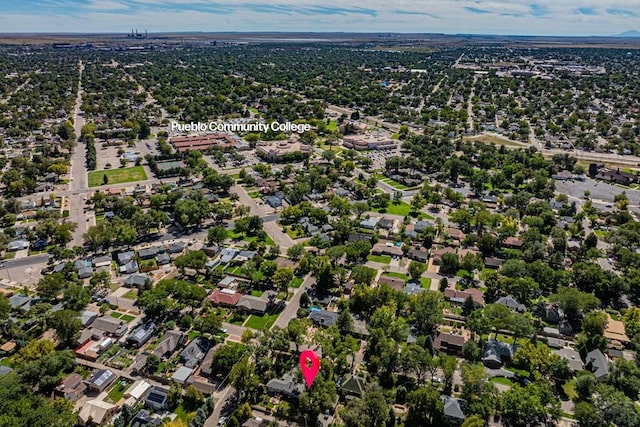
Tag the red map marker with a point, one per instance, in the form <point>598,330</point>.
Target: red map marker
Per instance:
<point>310,365</point>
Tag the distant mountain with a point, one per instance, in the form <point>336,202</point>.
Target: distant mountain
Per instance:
<point>630,33</point>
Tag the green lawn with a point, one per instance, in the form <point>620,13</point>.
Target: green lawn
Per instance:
<point>296,282</point>
<point>402,209</point>
<point>396,275</point>
<point>502,380</point>
<point>261,323</point>
<point>117,176</point>
<point>127,318</point>
<point>193,335</point>
<point>116,314</point>
<point>332,126</point>
<point>256,293</point>
<point>425,282</point>
<point>382,259</point>
<point>116,393</point>
<point>130,295</point>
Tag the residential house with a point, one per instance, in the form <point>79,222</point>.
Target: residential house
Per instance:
<point>615,331</point>
<point>512,304</point>
<point>413,287</point>
<point>449,343</point>
<point>157,399</point>
<point>287,386</point>
<point>393,282</point>
<point>19,300</point>
<point>181,375</point>
<point>244,256</point>
<point>597,362</point>
<point>176,248</point>
<point>251,304</point>
<point>386,249</point>
<point>495,353</point>
<point>493,263</point>
<point>459,297</point>
<point>87,317</point>
<point>149,253</point>
<point>232,282</point>
<point>129,268</point>
<point>170,342</point>
<point>194,353</point>
<point>205,368</point>
<point>100,380</point>
<point>97,412</point>
<point>71,388</point>
<point>453,413</point>
<point>125,257</point>
<point>136,392</point>
<point>145,419</point>
<point>353,386</point>
<point>437,254</point>
<point>419,255</point>
<point>141,335</point>
<point>111,326</point>
<point>136,280</point>
<point>572,357</point>
<point>102,261</point>
<point>227,255</point>
<point>163,259</point>
<point>225,297</point>
<point>513,242</point>
<point>370,223</point>
<point>324,317</point>
<point>17,245</point>
<point>421,225</point>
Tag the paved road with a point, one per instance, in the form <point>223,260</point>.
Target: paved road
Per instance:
<point>78,182</point>
<point>291,310</point>
<point>270,227</point>
<point>24,262</point>
<point>212,421</point>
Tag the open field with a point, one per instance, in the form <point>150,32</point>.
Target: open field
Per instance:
<point>492,139</point>
<point>117,176</point>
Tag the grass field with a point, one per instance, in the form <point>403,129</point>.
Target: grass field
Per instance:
<point>261,323</point>
<point>130,295</point>
<point>402,209</point>
<point>491,139</point>
<point>382,259</point>
<point>117,176</point>
<point>296,282</point>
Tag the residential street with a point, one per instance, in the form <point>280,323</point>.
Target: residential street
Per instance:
<point>291,310</point>
<point>78,184</point>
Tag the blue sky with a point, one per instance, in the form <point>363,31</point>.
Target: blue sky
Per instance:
<point>535,17</point>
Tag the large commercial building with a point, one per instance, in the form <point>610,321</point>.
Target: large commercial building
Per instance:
<point>369,142</point>
<point>290,149</point>
<point>206,141</point>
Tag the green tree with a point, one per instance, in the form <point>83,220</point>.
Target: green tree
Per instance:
<point>217,235</point>
<point>427,311</point>
<point>449,264</point>
<point>425,407</point>
<point>416,269</point>
<point>67,326</point>
<point>296,251</point>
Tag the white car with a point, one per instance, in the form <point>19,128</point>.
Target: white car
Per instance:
<point>222,421</point>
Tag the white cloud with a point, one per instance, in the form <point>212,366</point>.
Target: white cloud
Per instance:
<point>504,17</point>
